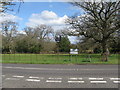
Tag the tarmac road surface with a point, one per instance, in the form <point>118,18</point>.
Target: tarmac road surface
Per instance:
<point>59,76</point>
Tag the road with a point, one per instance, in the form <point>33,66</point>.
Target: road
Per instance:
<point>59,76</point>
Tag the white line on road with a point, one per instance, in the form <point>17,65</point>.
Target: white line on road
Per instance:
<point>54,69</point>
<point>116,81</point>
<point>33,80</point>
<point>75,78</point>
<point>15,67</point>
<point>3,75</point>
<point>18,76</point>
<point>54,78</point>
<point>12,79</point>
<point>95,78</point>
<point>53,81</point>
<point>75,81</point>
<point>37,68</point>
<point>114,78</point>
<point>33,77</point>
<point>98,82</point>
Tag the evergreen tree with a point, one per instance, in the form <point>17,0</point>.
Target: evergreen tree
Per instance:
<point>64,44</point>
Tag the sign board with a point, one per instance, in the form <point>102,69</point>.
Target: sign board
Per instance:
<point>73,51</point>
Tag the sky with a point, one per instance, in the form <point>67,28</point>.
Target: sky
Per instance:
<point>36,13</point>
<point>31,11</point>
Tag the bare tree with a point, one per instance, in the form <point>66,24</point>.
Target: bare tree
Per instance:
<point>0,42</point>
<point>9,32</point>
<point>100,22</point>
<point>43,31</point>
<point>40,34</point>
<point>6,5</point>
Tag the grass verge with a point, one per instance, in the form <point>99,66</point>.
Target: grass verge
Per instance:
<point>57,59</point>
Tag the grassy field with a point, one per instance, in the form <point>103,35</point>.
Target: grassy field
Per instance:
<point>57,59</point>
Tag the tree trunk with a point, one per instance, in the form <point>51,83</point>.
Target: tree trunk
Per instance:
<point>105,52</point>
<point>10,50</point>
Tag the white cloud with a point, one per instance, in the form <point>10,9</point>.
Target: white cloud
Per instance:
<point>21,32</point>
<point>48,18</point>
<point>48,15</point>
<point>8,17</point>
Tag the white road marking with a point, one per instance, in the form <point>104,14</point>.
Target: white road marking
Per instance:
<point>33,80</point>
<point>18,76</point>
<point>3,75</point>
<point>12,79</point>
<point>116,81</point>
<point>55,69</point>
<point>14,67</point>
<point>37,68</point>
<point>33,77</point>
<point>75,78</point>
<point>95,78</point>
<point>98,81</point>
<point>53,81</point>
<point>114,78</point>
<point>54,78</point>
<point>75,81</point>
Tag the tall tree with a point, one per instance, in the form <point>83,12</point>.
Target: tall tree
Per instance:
<point>9,32</point>
<point>6,5</point>
<point>100,22</point>
<point>0,42</point>
<point>25,44</point>
<point>38,36</point>
<point>43,31</point>
<point>64,44</point>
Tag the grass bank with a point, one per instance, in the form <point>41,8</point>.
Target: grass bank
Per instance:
<point>57,59</point>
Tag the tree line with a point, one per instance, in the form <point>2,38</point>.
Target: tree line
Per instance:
<point>42,39</point>
<point>33,40</point>
<point>98,30</point>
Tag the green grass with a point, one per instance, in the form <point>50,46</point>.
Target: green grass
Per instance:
<point>56,59</point>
